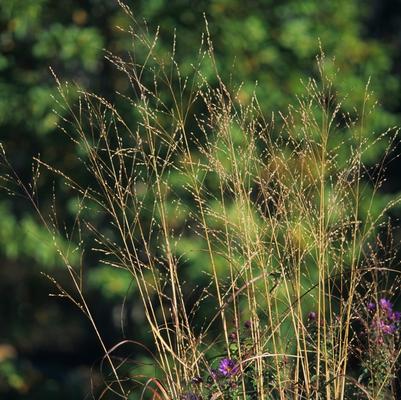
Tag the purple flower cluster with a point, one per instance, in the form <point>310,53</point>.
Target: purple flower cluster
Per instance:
<point>385,320</point>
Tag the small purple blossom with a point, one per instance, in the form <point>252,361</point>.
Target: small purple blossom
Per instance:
<point>388,329</point>
<point>384,327</point>
<point>248,324</point>
<point>228,367</point>
<point>386,305</point>
<point>312,316</point>
<point>395,316</point>
<point>371,306</point>
<point>190,396</point>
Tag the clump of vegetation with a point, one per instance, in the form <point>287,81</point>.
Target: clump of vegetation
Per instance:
<point>280,207</point>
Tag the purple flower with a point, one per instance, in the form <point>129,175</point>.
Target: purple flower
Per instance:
<point>233,336</point>
<point>395,316</point>
<point>190,396</point>
<point>384,327</point>
<point>312,316</point>
<point>228,367</point>
<point>247,324</point>
<point>386,305</point>
<point>371,306</point>
<point>388,329</point>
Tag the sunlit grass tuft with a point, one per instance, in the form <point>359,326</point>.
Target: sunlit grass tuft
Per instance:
<point>253,240</point>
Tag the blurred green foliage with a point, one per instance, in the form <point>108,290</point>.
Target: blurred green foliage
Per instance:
<point>273,43</point>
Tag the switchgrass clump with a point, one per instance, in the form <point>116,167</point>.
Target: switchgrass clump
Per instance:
<point>253,240</point>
